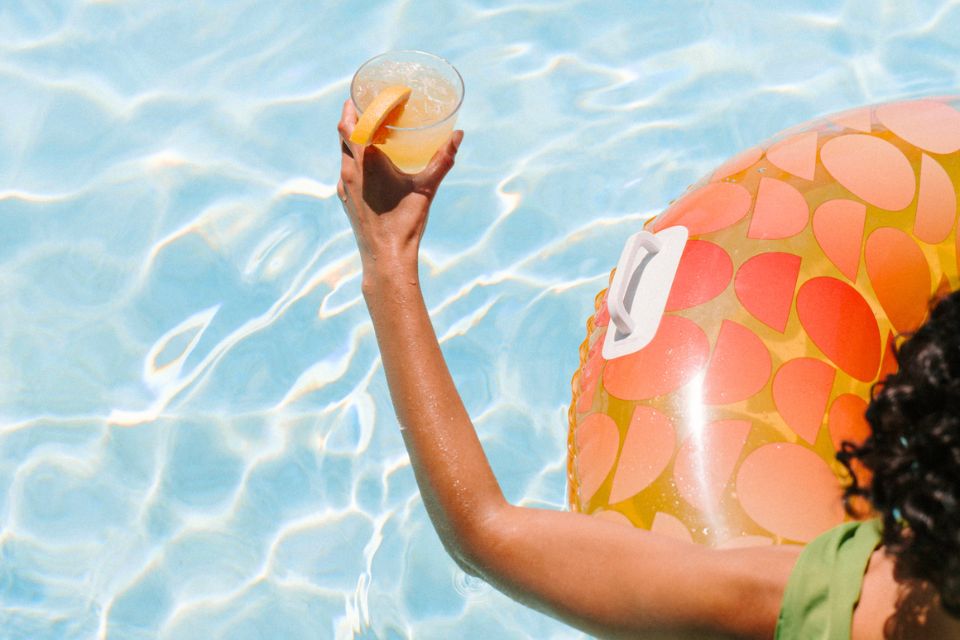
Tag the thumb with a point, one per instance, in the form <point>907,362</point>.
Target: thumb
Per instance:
<point>441,163</point>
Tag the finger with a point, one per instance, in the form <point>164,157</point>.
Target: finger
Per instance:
<point>349,169</point>
<point>441,163</point>
<point>351,155</point>
<point>348,119</point>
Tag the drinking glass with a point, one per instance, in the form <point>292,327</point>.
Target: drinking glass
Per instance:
<point>427,119</point>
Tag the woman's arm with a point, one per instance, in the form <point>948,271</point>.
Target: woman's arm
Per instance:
<point>605,578</point>
<point>388,212</point>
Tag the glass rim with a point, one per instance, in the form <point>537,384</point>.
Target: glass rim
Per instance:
<point>436,58</point>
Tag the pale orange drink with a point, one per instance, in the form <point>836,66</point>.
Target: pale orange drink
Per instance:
<point>424,119</point>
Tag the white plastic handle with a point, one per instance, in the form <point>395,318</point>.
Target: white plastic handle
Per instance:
<point>629,259</point>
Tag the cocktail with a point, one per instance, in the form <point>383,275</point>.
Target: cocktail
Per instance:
<point>416,123</point>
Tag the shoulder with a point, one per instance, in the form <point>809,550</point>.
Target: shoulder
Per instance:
<point>900,610</point>
<point>878,597</point>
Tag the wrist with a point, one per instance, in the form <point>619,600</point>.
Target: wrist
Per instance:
<point>389,273</point>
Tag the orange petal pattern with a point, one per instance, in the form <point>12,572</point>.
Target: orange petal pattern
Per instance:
<point>801,390</point>
<point>900,277</point>
<point>704,271</point>
<point>932,126</point>
<point>647,450</point>
<point>857,119</point>
<point>597,440</point>
<point>789,490</point>
<point>936,203</point>
<point>706,461</point>
<point>677,353</point>
<point>871,168</point>
<point>665,524</point>
<point>888,364</point>
<point>714,206</point>
<point>739,367</point>
<point>780,212</point>
<point>796,155</point>
<point>765,285</point>
<point>842,325</point>
<point>846,420</point>
<point>838,228</point>
<point>716,430</point>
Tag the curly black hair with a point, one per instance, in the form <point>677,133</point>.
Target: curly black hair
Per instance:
<point>913,455</point>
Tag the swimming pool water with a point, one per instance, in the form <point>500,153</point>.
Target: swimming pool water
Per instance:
<point>195,435</point>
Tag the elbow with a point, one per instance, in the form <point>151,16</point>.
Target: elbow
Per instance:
<point>480,539</point>
<point>463,555</point>
<point>464,565</point>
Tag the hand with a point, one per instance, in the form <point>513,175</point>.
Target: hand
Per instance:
<point>387,208</point>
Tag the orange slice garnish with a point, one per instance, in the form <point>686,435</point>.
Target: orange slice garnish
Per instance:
<point>378,111</point>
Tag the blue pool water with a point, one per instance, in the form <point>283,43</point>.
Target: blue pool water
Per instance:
<point>195,435</point>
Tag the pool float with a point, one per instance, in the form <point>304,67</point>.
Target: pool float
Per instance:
<point>736,345</point>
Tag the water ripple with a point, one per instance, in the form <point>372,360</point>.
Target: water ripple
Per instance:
<point>196,438</point>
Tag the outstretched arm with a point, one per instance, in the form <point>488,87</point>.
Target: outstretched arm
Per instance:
<point>388,210</point>
<point>603,577</point>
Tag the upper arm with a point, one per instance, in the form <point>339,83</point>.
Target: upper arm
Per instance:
<point>616,581</point>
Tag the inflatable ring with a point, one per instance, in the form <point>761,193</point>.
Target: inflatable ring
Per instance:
<point>743,328</point>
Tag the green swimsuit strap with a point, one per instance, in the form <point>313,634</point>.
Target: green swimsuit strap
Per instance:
<point>824,586</point>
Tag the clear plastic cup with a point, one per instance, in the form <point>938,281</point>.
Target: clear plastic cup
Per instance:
<point>431,112</point>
